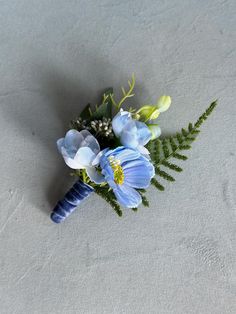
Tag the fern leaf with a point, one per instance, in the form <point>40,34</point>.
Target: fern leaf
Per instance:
<point>179,156</point>
<point>180,138</point>
<point>164,175</point>
<point>190,127</point>
<point>173,144</point>
<point>184,132</point>
<point>145,201</point>
<point>109,197</point>
<point>184,147</point>
<point>205,115</point>
<point>157,184</point>
<point>166,148</point>
<point>195,131</point>
<point>171,166</point>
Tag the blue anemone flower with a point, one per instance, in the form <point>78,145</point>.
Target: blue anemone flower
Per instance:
<point>125,170</point>
<point>132,133</point>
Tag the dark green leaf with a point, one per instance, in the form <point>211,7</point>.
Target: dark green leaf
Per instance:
<point>86,112</point>
<point>105,109</point>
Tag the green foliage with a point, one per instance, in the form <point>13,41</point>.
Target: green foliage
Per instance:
<point>86,113</point>
<point>171,166</point>
<point>145,201</point>
<point>164,174</point>
<point>102,190</point>
<point>108,195</point>
<point>157,184</point>
<point>163,150</point>
<point>126,94</point>
<point>105,108</point>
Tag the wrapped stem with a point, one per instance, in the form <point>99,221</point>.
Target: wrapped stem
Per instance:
<point>71,200</point>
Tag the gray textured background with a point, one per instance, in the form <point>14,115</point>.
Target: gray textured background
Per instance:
<point>178,256</point>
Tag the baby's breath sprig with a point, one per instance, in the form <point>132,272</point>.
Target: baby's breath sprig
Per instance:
<point>98,127</point>
<point>102,127</point>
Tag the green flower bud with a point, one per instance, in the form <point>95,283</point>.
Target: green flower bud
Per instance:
<point>155,130</point>
<point>148,112</point>
<point>163,103</point>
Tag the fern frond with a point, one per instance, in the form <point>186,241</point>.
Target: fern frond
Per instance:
<point>205,115</point>
<point>179,156</point>
<point>171,166</point>
<point>109,197</point>
<point>162,150</point>
<point>180,138</point>
<point>166,148</point>
<point>157,184</point>
<point>184,132</point>
<point>173,144</point>
<point>184,147</point>
<point>164,174</point>
<point>190,127</point>
<point>145,201</point>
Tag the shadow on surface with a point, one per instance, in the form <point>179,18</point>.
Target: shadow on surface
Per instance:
<point>67,97</point>
<point>42,115</point>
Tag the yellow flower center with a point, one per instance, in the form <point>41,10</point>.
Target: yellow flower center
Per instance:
<point>118,171</point>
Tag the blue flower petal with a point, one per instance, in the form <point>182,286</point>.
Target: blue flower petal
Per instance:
<point>94,175</point>
<point>89,141</point>
<point>60,143</point>
<point>120,121</point>
<point>97,160</point>
<point>84,157</point>
<point>128,140</point>
<point>125,154</point>
<point>138,173</point>
<point>72,142</point>
<point>132,133</point>
<point>68,160</point>
<point>127,196</point>
<point>144,134</point>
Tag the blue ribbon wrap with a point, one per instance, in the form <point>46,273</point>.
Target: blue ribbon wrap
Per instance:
<point>71,200</point>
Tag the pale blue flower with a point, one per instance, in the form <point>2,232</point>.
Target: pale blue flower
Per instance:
<point>132,133</point>
<point>126,170</point>
<point>80,151</point>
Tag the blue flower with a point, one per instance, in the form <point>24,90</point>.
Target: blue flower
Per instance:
<point>125,170</point>
<point>80,151</point>
<point>132,133</point>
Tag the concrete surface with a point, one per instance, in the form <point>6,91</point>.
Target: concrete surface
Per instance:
<point>179,255</point>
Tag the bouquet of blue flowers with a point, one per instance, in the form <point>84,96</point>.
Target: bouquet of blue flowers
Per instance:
<point>117,153</point>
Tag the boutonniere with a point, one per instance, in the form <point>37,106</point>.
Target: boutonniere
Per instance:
<point>117,153</point>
